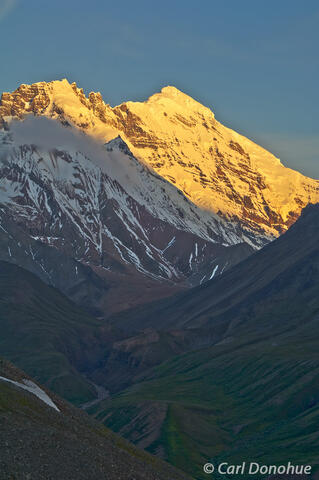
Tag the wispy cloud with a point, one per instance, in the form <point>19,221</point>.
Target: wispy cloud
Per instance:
<point>48,134</point>
<point>6,6</point>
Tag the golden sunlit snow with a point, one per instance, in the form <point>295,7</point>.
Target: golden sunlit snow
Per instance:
<point>216,168</point>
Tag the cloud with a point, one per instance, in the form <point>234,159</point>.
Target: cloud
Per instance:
<point>48,134</point>
<point>297,151</point>
<point>6,6</point>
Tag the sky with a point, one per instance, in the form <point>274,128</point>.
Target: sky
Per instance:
<point>254,63</point>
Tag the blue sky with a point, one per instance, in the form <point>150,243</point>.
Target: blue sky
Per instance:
<point>254,63</point>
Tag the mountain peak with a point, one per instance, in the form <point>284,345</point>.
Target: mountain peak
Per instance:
<point>119,144</point>
<point>36,98</point>
<point>172,91</point>
<point>171,94</point>
<point>217,169</point>
<point>52,85</point>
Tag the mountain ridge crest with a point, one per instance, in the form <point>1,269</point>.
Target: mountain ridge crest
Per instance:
<point>216,168</point>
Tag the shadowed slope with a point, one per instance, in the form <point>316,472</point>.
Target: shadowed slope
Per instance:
<point>38,442</point>
<point>46,334</point>
<point>253,393</point>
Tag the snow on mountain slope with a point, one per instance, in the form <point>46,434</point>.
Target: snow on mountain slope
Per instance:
<point>105,210</point>
<point>219,170</point>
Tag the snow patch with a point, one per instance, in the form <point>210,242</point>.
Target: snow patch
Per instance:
<point>34,389</point>
<point>214,271</point>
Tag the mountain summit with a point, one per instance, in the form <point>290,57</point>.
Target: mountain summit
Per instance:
<point>218,169</point>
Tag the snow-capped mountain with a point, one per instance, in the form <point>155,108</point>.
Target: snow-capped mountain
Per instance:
<point>219,170</point>
<point>144,195</point>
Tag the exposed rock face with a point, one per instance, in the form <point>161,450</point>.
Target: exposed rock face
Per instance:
<point>216,168</point>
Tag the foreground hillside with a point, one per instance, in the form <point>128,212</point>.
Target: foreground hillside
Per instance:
<point>41,441</point>
<point>249,389</point>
